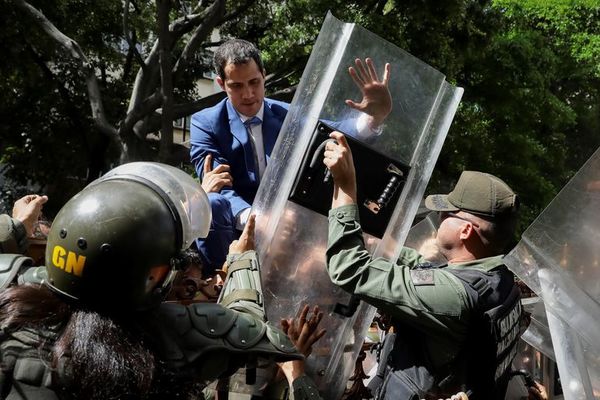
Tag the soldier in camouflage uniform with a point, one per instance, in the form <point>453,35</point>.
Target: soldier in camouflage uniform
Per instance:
<point>96,327</point>
<point>456,324</point>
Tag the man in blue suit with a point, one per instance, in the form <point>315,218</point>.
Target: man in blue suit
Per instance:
<point>242,129</point>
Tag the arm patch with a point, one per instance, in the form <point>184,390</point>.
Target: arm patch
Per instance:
<point>422,277</point>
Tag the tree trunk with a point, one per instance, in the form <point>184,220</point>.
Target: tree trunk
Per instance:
<point>166,132</point>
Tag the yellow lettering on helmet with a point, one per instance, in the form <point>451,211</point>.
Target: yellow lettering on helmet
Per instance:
<point>58,254</point>
<point>75,264</point>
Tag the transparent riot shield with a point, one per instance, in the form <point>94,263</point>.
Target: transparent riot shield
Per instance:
<point>558,257</point>
<point>421,237</point>
<point>291,238</point>
<point>537,333</point>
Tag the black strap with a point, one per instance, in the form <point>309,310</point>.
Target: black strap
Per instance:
<point>482,286</point>
<point>429,264</point>
<point>478,281</point>
<point>383,353</point>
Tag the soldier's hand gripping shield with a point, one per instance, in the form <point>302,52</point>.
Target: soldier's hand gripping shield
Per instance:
<point>394,163</point>
<point>115,244</point>
<point>558,257</point>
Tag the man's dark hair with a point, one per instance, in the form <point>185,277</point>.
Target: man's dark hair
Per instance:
<point>236,51</point>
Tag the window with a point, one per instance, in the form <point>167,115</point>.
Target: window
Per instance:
<point>182,123</point>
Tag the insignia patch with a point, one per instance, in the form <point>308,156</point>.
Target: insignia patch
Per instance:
<point>421,277</point>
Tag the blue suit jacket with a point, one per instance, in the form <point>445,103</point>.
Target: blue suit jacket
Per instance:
<point>219,131</point>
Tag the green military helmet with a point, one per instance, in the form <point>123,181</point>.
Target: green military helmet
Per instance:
<point>115,245</point>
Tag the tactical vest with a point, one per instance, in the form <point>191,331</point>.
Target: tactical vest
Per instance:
<point>25,372</point>
<point>480,368</point>
<point>25,368</point>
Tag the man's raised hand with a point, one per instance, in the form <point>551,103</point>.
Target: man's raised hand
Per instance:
<point>213,180</point>
<point>377,99</point>
<point>28,209</point>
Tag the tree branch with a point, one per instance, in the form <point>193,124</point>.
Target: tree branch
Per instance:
<point>74,51</point>
<point>141,110</point>
<point>166,138</point>
<point>213,14</point>
<point>187,23</point>
<point>128,65</point>
<point>141,86</point>
<point>146,80</point>
<point>183,110</point>
<point>129,37</point>
<point>198,6</point>
<point>238,11</point>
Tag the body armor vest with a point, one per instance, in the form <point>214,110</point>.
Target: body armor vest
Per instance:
<point>26,372</point>
<point>481,367</point>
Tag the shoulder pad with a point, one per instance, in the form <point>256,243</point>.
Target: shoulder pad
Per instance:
<point>247,331</point>
<point>24,361</point>
<point>174,329</point>
<point>10,266</point>
<point>212,320</point>
<point>280,340</point>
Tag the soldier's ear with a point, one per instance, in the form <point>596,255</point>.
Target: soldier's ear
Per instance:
<point>467,229</point>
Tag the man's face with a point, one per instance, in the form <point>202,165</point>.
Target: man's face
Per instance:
<point>245,87</point>
<point>186,284</point>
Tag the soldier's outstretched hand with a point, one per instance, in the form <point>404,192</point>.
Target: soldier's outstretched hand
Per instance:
<point>377,99</point>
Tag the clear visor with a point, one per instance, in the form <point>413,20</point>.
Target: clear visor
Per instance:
<point>191,203</point>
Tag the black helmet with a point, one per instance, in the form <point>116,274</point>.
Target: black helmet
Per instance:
<point>115,244</point>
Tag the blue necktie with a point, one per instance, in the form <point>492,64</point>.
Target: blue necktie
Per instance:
<point>259,159</point>
<point>250,122</point>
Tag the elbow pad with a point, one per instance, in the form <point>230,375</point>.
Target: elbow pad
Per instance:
<point>212,341</point>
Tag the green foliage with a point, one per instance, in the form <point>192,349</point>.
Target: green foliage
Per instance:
<point>548,55</point>
<point>530,111</point>
<point>50,138</point>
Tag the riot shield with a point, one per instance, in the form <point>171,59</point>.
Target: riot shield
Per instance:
<point>537,333</point>
<point>421,237</point>
<point>291,237</point>
<point>558,257</point>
